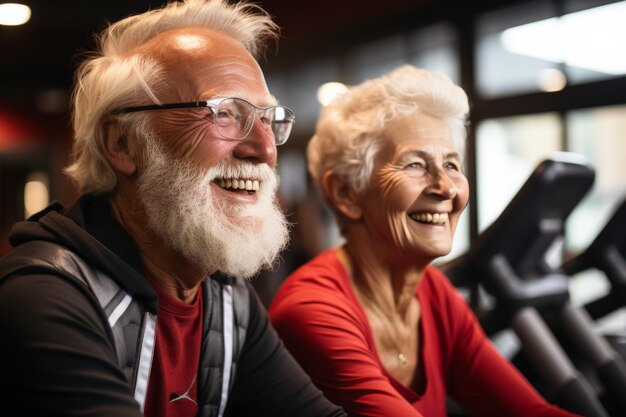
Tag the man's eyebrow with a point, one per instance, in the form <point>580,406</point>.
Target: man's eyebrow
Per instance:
<point>270,101</point>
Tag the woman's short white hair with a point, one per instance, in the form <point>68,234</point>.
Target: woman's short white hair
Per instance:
<point>350,129</point>
<point>113,78</point>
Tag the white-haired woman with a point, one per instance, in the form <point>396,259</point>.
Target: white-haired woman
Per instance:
<point>379,329</point>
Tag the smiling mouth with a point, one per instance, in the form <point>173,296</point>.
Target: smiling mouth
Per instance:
<point>238,184</point>
<point>430,218</point>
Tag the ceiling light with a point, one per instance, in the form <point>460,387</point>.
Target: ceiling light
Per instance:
<point>14,14</point>
<point>330,91</point>
<point>552,79</point>
<point>36,193</point>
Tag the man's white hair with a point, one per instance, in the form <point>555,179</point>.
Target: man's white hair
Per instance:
<point>113,77</point>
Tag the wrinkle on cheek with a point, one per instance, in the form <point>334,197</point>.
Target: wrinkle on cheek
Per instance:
<point>400,230</point>
<point>187,142</point>
<point>184,135</point>
<point>389,178</point>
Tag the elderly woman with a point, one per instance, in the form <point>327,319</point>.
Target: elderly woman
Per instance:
<point>379,329</point>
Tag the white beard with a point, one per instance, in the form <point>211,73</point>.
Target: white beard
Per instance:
<point>211,234</point>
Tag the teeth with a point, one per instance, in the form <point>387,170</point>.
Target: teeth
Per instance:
<point>435,218</point>
<point>238,184</point>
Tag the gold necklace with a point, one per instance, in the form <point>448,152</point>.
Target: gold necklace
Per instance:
<point>365,296</point>
<point>401,356</point>
<point>392,337</point>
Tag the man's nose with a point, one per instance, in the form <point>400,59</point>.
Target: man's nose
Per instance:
<point>259,145</point>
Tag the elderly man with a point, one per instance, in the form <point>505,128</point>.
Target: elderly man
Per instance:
<point>132,300</point>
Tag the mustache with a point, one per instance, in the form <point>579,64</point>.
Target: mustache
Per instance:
<point>244,170</point>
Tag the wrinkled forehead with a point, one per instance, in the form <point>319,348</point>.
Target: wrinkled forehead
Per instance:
<point>199,62</point>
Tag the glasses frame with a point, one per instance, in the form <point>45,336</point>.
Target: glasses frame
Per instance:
<point>213,104</point>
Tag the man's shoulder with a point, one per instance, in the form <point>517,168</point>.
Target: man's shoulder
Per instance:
<point>42,271</point>
<point>39,302</point>
<point>40,257</point>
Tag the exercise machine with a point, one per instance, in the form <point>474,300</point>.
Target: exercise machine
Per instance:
<point>509,260</point>
<point>608,254</point>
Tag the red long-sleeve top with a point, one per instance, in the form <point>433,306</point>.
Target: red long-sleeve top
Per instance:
<point>323,325</point>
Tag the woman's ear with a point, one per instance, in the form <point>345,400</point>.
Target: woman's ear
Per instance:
<point>341,195</point>
<point>114,145</point>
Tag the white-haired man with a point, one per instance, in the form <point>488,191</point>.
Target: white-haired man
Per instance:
<point>132,300</point>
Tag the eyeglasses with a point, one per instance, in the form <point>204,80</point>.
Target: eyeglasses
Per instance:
<point>234,117</point>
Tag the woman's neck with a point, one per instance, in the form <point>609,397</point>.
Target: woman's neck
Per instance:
<point>387,294</point>
<point>380,283</point>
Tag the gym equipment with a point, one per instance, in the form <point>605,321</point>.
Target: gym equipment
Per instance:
<point>608,254</point>
<point>509,260</point>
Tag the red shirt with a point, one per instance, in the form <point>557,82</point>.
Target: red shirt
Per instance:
<point>323,325</point>
<point>173,378</point>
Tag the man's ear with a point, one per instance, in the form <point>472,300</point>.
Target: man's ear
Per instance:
<point>116,150</point>
<point>341,195</point>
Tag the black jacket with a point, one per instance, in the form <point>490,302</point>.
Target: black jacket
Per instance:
<point>83,319</point>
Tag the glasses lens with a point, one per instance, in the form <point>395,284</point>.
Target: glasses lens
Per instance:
<point>234,118</point>
<point>282,122</point>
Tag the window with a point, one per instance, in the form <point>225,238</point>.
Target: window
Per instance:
<point>599,135</point>
<point>534,47</point>
<point>507,151</point>
<point>434,48</point>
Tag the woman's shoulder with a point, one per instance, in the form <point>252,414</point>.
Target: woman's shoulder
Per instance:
<point>322,279</point>
<point>323,271</point>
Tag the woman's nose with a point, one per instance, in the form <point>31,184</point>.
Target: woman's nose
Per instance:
<point>442,186</point>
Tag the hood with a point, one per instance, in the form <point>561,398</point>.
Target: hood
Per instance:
<point>89,229</point>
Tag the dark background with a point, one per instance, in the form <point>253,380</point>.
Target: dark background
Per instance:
<point>44,53</point>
